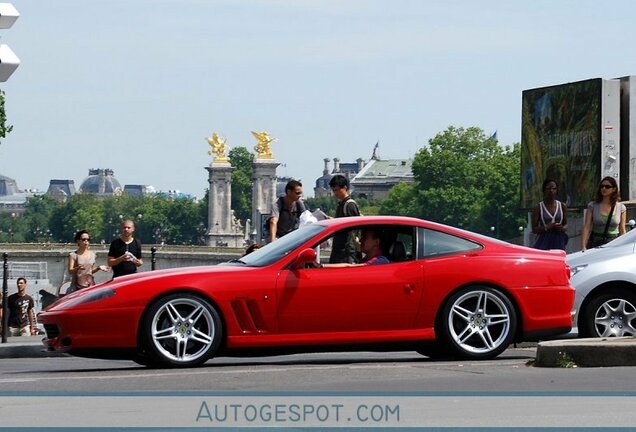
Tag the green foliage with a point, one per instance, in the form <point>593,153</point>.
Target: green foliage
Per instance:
<point>242,161</point>
<point>327,204</point>
<point>466,179</point>
<point>401,201</point>
<point>157,218</point>
<point>4,127</point>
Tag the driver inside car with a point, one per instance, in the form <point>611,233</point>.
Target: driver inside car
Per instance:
<point>372,247</point>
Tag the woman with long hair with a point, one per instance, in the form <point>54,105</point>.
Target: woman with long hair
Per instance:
<point>605,216</point>
<point>81,263</point>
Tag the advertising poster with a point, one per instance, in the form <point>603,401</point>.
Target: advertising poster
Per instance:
<point>560,140</point>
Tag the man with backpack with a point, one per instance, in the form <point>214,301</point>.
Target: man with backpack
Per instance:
<point>286,210</point>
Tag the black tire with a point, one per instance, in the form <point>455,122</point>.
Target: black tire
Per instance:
<point>609,314</point>
<point>477,323</point>
<point>179,330</point>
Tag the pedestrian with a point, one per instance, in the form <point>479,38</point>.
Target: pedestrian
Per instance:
<point>343,249</point>
<point>124,254</point>
<point>605,216</point>
<point>549,219</point>
<point>21,315</point>
<point>286,210</point>
<point>81,263</point>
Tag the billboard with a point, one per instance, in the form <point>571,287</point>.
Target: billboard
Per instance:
<point>569,133</point>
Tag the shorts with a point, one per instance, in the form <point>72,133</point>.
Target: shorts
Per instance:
<point>20,331</point>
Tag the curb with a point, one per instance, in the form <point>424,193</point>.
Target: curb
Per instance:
<point>591,352</point>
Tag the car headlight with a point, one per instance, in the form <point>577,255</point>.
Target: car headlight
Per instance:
<point>574,270</point>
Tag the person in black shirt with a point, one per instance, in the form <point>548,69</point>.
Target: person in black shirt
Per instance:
<point>286,210</point>
<point>21,316</point>
<point>124,254</point>
<point>343,249</point>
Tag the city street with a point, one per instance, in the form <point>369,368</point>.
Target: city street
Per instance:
<point>327,372</point>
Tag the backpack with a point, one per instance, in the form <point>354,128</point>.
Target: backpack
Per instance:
<point>300,208</point>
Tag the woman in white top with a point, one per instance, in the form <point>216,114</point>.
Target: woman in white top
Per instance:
<point>550,219</point>
<point>597,229</point>
<point>81,263</point>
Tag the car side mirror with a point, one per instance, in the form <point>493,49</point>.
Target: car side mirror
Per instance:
<point>306,256</point>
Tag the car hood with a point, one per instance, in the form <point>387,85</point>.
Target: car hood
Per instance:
<point>598,254</point>
<point>160,279</point>
<point>181,271</point>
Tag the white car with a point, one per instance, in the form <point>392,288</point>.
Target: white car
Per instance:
<point>605,283</point>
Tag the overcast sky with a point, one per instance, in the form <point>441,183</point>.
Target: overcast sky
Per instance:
<point>137,85</point>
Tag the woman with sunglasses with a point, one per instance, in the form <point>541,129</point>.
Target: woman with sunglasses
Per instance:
<point>605,216</point>
<point>81,263</point>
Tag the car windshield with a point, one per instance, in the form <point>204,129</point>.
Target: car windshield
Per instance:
<point>274,251</point>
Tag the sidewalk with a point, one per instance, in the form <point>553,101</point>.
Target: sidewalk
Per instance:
<point>25,347</point>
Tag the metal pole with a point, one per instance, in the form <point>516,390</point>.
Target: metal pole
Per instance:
<point>153,258</point>
<point>5,297</point>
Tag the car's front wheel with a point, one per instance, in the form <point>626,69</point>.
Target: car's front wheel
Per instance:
<point>612,313</point>
<point>180,330</point>
<point>477,322</point>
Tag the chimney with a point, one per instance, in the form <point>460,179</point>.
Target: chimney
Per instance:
<point>360,164</point>
<point>336,165</point>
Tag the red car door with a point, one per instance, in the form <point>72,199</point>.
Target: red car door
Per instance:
<point>349,299</point>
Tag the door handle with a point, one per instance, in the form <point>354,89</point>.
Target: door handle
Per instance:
<point>408,289</point>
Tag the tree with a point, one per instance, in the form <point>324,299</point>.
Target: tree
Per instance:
<point>402,201</point>
<point>466,179</point>
<point>37,218</point>
<point>242,161</point>
<point>326,203</point>
<point>4,127</point>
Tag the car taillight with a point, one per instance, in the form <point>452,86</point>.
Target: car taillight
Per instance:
<point>568,273</point>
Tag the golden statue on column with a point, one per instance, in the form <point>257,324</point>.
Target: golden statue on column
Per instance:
<point>218,148</point>
<point>262,147</point>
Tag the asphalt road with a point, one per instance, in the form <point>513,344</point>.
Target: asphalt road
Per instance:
<point>326,372</point>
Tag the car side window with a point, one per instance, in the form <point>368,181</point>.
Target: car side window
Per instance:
<point>398,243</point>
<point>435,243</point>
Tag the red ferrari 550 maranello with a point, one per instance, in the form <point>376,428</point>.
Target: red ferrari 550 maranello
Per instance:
<point>439,290</point>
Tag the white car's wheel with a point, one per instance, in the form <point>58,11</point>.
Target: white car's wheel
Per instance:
<point>181,330</point>
<point>610,314</point>
<point>478,322</point>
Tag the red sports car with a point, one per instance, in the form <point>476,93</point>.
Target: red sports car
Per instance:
<point>444,292</point>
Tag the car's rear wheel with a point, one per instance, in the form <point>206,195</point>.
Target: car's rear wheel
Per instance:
<point>477,322</point>
<point>180,330</point>
<point>610,314</point>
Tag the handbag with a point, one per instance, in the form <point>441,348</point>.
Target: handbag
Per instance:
<point>596,240</point>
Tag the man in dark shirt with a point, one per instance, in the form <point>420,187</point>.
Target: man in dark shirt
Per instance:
<point>343,249</point>
<point>124,254</point>
<point>21,316</point>
<point>286,210</point>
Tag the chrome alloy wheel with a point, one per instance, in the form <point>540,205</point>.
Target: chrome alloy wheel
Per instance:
<point>615,317</point>
<point>183,329</point>
<point>479,321</point>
